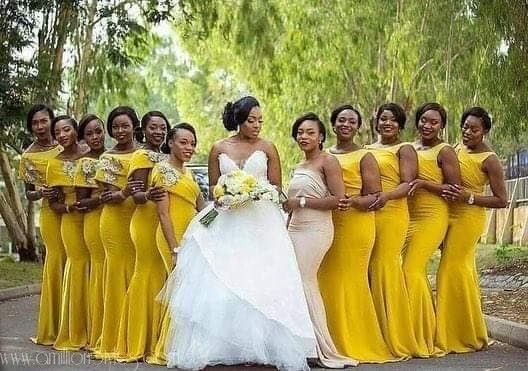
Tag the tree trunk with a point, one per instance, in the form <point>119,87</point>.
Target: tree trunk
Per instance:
<point>80,103</point>
<point>13,228</point>
<point>64,18</point>
<point>13,196</point>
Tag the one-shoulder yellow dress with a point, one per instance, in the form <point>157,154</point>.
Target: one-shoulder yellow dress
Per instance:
<point>183,193</point>
<point>32,170</point>
<point>85,178</point>
<point>343,276</point>
<point>387,283</point>
<point>119,250</point>
<point>73,326</point>
<point>140,322</point>
<point>460,323</point>
<point>427,228</point>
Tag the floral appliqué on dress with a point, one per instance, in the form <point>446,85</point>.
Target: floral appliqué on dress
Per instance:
<point>89,168</point>
<point>111,168</point>
<point>156,157</point>
<point>31,174</point>
<point>69,169</point>
<point>169,175</point>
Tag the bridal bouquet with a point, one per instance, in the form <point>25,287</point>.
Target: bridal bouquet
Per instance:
<point>236,189</point>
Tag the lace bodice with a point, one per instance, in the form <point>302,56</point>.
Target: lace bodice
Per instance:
<point>256,164</point>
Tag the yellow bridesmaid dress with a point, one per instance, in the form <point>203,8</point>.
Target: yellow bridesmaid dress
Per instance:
<point>73,326</point>
<point>387,283</point>
<point>427,228</point>
<point>85,178</point>
<point>183,193</point>
<point>343,276</point>
<point>460,323</point>
<point>119,250</point>
<point>141,317</point>
<point>32,170</point>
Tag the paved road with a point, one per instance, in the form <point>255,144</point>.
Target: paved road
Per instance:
<point>17,323</point>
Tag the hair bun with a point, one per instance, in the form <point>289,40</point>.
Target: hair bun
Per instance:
<point>228,117</point>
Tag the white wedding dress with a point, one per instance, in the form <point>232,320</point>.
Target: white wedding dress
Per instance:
<point>235,295</point>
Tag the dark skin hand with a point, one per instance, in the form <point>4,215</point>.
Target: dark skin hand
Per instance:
<point>448,162</point>
<point>146,193</point>
<point>113,194</point>
<point>498,198</point>
<point>408,162</point>
<point>371,188</point>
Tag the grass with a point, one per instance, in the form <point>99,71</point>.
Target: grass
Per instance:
<point>18,274</point>
<point>490,256</point>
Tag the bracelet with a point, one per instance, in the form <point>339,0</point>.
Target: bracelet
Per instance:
<point>67,209</point>
<point>471,199</point>
<point>175,250</point>
<point>302,202</point>
<point>147,197</point>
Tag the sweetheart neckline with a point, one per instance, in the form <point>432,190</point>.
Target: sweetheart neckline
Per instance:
<point>246,161</point>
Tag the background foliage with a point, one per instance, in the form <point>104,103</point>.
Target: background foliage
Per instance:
<point>188,57</point>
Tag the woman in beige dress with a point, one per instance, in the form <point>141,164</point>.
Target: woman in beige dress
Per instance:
<point>315,190</point>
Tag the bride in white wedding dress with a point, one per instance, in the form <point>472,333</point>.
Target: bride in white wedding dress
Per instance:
<point>235,295</point>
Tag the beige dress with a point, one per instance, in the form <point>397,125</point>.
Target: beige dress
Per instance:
<point>312,233</point>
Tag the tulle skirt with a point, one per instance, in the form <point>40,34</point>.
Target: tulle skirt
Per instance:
<point>236,295</point>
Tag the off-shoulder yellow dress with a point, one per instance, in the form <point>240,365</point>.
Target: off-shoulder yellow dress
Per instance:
<point>32,170</point>
<point>119,250</point>
<point>183,193</point>
<point>343,276</point>
<point>460,324</point>
<point>73,326</point>
<point>140,322</point>
<point>387,283</point>
<point>427,228</point>
<point>85,178</point>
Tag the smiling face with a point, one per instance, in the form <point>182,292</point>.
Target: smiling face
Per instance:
<point>346,125</point>
<point>122,129</point>
<point>251,127</point>
<point>182,145</point>
<point>65,133</point>
<point>473,131</point>
<point>94,135</point>
<point>387,125</point>
<point>430,124</point>
<point>155,131</point>
<point>308,135</point>
<point>40,124</point>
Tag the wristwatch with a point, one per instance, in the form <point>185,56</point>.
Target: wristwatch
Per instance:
<point>471,199</point>
<point>302,202</point>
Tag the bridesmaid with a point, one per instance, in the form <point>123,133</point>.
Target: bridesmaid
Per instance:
<point>73,327</point>
<point>176,208</point>
<point>343,276</point>
<point>91,130</point>
<point>460,324</point>
<point>437,169</point>
<point>114,225</point>
<point>32,170</point>
<point>141,315</point>
<point>398,167</point>
<point>315,190</point>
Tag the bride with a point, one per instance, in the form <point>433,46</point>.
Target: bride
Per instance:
<point>236,294</point>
